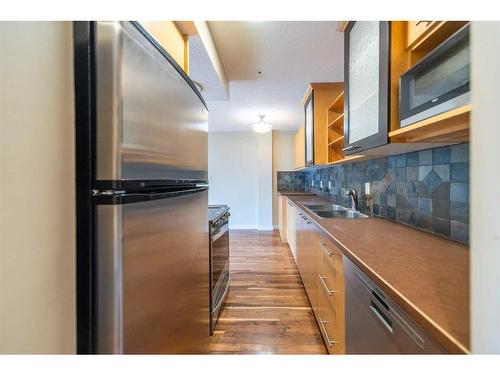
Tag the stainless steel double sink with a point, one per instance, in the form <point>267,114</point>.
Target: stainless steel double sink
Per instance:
<point>335,211</point>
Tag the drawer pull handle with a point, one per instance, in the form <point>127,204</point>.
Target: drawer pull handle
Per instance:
<point>322,279</point>
<point>323,246</point>
<point>323,329</point>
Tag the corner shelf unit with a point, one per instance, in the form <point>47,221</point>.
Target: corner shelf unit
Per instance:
<point>335,118</point>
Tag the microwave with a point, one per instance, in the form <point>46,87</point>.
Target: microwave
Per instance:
<point>438,83</point>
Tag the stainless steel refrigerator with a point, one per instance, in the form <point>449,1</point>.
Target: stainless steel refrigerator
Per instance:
<point>142,226</point>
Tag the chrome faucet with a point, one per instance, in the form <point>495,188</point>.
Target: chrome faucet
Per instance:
<point>354,197</point>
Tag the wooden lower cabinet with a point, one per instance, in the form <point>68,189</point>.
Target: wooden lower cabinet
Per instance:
<point>331,309</point>
<point>291,228</point>
<point>282,204</point>
<point>320,266</point>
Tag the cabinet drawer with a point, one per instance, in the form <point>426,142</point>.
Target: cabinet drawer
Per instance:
<point>331,256</point>
<point>331,295</point>
<point>330,321</point>
<point>329,281</point>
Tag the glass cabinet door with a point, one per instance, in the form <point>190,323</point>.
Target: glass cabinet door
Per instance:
<point>366,85</point>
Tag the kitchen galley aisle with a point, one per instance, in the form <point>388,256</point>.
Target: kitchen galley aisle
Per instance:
<point>267,310</point>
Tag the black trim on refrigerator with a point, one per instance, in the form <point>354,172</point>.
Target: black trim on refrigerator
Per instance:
<point>85,130</point>
<point>381,136</point>
<point>114,198</point>
<point>143,184</point>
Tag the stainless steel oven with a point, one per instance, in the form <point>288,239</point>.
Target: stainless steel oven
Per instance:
<point>219,260</point>
<point>439,82</point>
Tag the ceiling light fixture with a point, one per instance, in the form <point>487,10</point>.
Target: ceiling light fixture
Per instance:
<point>261,126</point>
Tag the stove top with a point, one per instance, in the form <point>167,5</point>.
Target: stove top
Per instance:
<point>216,211</point>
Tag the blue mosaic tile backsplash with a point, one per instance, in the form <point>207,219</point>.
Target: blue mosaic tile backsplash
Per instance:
<point>427,189</point>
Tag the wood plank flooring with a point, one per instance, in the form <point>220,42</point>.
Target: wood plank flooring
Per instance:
<point>266,310</point>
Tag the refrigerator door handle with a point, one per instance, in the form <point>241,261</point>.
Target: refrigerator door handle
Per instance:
<point>103,197</point>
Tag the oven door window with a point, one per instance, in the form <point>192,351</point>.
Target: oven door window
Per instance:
<point>220,254</point>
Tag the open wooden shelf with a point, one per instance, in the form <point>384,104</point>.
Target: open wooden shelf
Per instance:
<point>349,159</point>
<point>436,33</point>
<point>336,140</point>
<point>337,122</point>
<point>451,126</point>
<point>338,104</point>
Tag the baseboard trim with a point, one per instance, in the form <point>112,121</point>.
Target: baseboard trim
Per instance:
<point>238,226</point>
<point>265,227</point>
<point>254,227</point>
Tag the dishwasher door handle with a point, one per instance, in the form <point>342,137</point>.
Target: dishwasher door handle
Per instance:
<point>384,319</point>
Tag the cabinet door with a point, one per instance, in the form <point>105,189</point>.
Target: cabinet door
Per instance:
<point>301,245</point>
<point>299,153</point>
<point>282,217</point>
<point>312,266</point>
<point>366,102</point>
<point>309,129</point>
<point>291,229</point>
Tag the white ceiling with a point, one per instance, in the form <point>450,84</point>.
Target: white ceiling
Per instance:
<point>290,54</point>
<point>201,70</point>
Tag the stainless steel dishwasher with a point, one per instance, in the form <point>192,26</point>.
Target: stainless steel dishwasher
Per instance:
<point>377,325</point>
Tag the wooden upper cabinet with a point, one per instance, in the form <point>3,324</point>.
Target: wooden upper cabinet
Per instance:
<point>318,98</point>
<point>366,97</point>
<point>299,155</point>
<point>376,55</point>
<point>171,39</point>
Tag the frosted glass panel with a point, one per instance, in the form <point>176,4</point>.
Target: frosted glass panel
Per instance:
<point>363,80</point>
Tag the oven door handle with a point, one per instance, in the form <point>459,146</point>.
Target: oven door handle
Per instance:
<point>222,297</point>
<point>222,230</point>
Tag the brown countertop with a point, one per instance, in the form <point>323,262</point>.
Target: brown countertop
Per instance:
<point>427,275</point>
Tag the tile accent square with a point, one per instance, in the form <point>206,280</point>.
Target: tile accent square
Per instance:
<point>441,155</point>
<point>459,153</point>
<point>460,172</point>
<point>425,157</point>
<point>459,192</point>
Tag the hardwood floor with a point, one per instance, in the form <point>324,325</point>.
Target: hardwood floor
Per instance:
<point>267,310</point>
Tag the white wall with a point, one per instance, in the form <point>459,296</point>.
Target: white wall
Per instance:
<point>37,222</point>
<point>265,180</point>
<point>485,182</point>
<point>240,174</point>
<point>283,148</point>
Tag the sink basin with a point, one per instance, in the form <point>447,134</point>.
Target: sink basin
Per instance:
<point>325,207</point>
<point>341,214</point>
<point>335,211</point>
<point>347,214</point>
